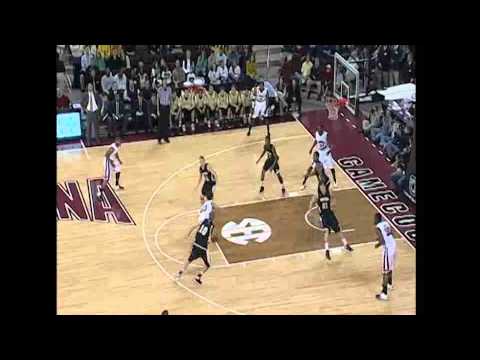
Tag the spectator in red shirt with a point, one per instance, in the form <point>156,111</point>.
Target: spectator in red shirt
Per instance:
<point>63,102</point>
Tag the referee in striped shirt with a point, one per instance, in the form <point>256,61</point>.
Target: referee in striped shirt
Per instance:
<point>164,94</point>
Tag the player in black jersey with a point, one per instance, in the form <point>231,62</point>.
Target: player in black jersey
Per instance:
<point>271,164</point>
<point>316,169</point>
<point>329,220</point>
<point>209,176</point>
<point>202,237</point>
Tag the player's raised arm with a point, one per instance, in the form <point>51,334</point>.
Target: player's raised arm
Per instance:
<point>381,240</point>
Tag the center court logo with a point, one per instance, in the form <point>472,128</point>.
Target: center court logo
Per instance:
<point>246,231</point>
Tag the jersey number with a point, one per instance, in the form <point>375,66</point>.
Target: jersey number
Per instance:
<point>203,230</point>
<point>324,206</point>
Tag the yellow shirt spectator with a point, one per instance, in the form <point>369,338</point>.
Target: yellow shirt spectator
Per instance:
<point>175,105</point>
<point>252,68</point>
<point>200,102</point>
<point>246,98</point>
<point>234,98</point>
<point>104,50</point>
<point>187,102</point>
<point>306,69</point>
<point>222,99</point>
<point>212,99</point>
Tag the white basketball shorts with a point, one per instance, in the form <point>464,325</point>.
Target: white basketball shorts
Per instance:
<point>388,260</point>
<point>259,109</point>
<point>326,159</point>
<point>108,168</point>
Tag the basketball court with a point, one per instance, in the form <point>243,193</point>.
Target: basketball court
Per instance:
<point>122,260</point>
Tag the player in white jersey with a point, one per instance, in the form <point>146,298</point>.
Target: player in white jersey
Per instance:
<point>111,162</point>
<point>385,239</point>
<point>324,151</point>
<point>200,244</point>
<point>260,105</point>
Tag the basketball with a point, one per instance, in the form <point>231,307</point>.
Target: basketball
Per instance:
<point>342,102</point>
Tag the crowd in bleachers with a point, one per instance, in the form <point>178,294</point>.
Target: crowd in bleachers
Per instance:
<point>132,76</point>
<point>379,66</point>
<point>391,126</point>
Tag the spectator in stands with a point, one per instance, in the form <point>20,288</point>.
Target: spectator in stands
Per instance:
<point>63,102</point>
<point>251,69</point>
<point>140,113</point>
<point>235,72</point>
<point>212,60</point>
<point>400,141</point>
<point>294,95</point>
<point>306,69</point>
<point>63,80</point>
<point>233,56</point>
<point>121,81</point>
<point>374,123</point>
<point>188,65</point>
<point>178,75</point>
<point>384,59</point>
<point>86,61</point>
<point>286,71</point>
<point>222,73</point>
<point>117,121</point>
<point>213,78</point>
<point>242,59</point>
<point>107,81</point>
<point>147,97</point>
<point>397,58</point>
<point>100,62</point>
<point>327,78</point>
<point>94,77</point>
<point>399,175</point>
<point>281,93</point>
<point>315,80</point>
<point>222,101</point>
<point>221,58</point>
<point>201,66</point>
<point>91,104</point>
<point>77,52</point>
<point>187,105</point>
<point>142,76</point>
<point>131,91</point>
<point>166,74</point>
<point>381,134</point>
<point>410,67</point>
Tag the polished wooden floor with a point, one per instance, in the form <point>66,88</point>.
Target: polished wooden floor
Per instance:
<point>122,269</point>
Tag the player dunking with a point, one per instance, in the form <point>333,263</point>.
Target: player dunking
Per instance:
<point>209,178</point>
<point>324,151</point>
<point>329,220</point>
<point>271,164</point>
<point>316,169</point>
<point>260,106</point>
<point>385,239</point>
<point>200,244</point>
<point>111,163</point>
